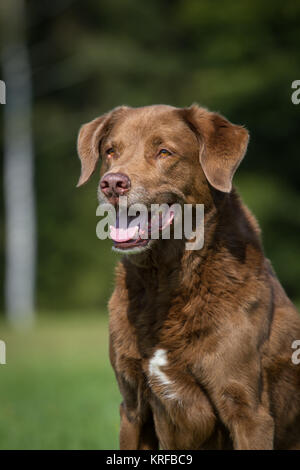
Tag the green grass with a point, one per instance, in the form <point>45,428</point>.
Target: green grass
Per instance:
<point>57,390</point>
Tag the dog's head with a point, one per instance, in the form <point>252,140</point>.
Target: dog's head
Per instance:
<point>159,155</point>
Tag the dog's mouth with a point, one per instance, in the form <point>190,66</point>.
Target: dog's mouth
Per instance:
<point>136,232</point>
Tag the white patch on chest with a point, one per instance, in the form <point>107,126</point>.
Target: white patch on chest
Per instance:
<point>159,360</point>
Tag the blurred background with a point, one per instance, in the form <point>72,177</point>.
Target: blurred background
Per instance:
<point>65,62</point>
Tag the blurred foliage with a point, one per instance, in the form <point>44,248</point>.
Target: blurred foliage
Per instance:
<point>238,58</point>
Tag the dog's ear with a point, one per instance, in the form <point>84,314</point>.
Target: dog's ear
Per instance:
<point>222,145</point>
<point>89,140</point>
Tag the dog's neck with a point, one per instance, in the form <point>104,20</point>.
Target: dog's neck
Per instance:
<point>158,282</point>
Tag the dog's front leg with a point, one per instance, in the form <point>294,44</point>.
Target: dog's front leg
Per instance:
<point>136,432</point>
<point>254,432</point>
<point>238,391</point>
<point>247,418</point>
<point>251,429</point>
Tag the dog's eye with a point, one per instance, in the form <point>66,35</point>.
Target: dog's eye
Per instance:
<point>164,153</point>
<point>111,153</point>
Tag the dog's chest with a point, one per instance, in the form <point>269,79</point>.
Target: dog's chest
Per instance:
<point>151,344</point>
<point>160,380</point>
<point>169,379</point>
<point>182,412</point>
<point>151,354</point>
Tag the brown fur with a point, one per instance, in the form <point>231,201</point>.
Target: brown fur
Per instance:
<point>220,313</point>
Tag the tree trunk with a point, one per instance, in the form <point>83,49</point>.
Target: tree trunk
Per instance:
<point>20,221</point>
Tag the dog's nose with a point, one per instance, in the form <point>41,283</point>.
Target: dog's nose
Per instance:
<point>114,184</point>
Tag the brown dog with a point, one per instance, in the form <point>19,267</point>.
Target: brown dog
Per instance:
<point>200,340</point>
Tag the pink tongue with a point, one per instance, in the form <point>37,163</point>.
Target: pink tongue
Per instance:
<point>168,220</point>
<point>123,234</point>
